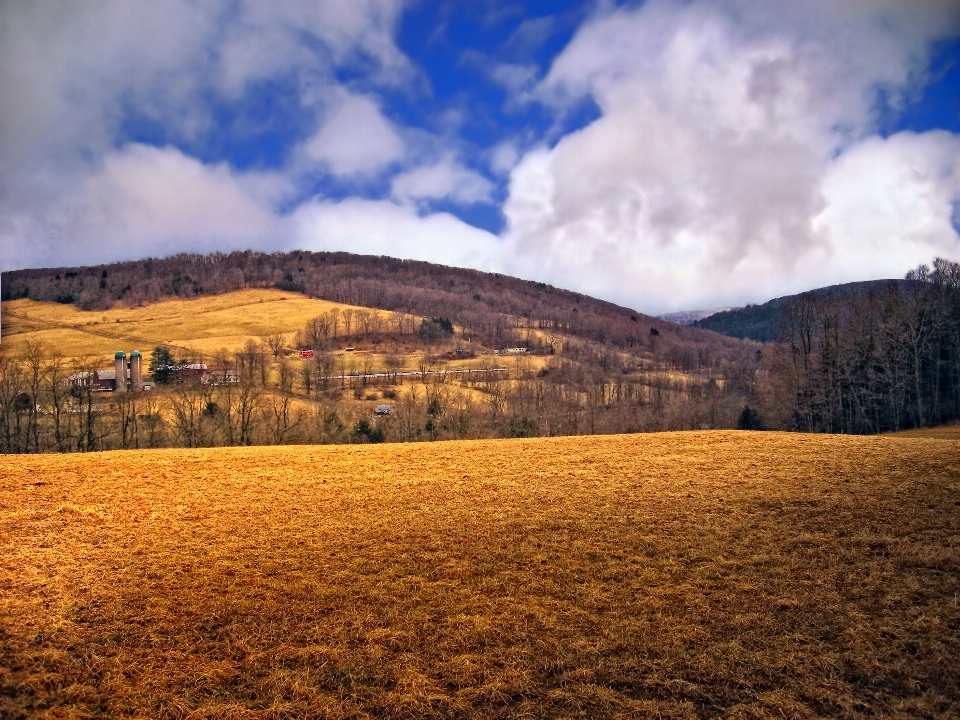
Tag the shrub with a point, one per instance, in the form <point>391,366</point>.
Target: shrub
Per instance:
<point>749,419</point>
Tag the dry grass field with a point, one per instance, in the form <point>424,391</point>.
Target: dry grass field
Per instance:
<point>941,432</point>
<point>204,325</point>
<point>712,574</point>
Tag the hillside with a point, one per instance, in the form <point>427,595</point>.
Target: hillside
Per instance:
<point>458,354</point>
<point>198,328</point>
<point>762,322</point>
<point>448,353</point>
<point>484,302</point>
<point>443,381</point>
<point>667,575</point>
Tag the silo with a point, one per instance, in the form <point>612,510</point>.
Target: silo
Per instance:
<point>120,364</point>
<point>136,374</point>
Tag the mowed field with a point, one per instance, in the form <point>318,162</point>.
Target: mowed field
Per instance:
<point>668,575</point>
<point>203,326</point>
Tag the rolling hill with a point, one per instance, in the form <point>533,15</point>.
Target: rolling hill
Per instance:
<point>197,328</point>
<point>484,302</point>
<point>369,326</point>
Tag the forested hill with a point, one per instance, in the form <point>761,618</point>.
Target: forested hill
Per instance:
<point>469,297</point>
<point>762,322</point>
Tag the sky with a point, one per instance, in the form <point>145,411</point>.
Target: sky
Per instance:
<point>664,155</point>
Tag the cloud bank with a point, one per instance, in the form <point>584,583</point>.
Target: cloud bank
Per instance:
<point>735,154</point>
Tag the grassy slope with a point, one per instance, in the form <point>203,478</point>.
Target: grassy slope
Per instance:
<point>204,325</point>
<point>681,574</point>
<point>941,432</point>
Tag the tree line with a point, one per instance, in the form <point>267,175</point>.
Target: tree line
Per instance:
<point>885,360</point>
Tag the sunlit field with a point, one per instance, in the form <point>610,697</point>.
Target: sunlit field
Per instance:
<point>941,432</point>
<point>666,575</point>
<point>204,325</point>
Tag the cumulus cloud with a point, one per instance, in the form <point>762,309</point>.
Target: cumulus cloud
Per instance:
<point>727,131</point>
<point>72,73</point>
<point>889,203</point>
<point>736,156</point>
<point>356,139</point>
<point>148,201</point>
<point>444,180</point>
<point>374,227</point>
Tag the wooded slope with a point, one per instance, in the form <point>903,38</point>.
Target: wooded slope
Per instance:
<point>763,323</point>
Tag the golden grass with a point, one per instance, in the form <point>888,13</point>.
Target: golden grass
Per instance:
<point>670,575</point>
<point>204,325</point>
<point>941,432</point>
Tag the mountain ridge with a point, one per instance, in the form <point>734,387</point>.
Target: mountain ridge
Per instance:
<point>761,323</point>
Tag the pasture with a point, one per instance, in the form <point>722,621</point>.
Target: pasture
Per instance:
<point>203,326</point>
<point>701,574</point>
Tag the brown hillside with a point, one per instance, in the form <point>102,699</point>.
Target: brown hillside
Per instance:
<point>670,575</point>
<point>471,298</point>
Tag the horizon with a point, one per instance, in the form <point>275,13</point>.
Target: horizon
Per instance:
<point>663,156</point>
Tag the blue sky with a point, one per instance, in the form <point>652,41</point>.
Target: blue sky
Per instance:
<point>665,154</point>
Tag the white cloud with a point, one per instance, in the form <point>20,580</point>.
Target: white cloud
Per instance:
<point>382,228</point>
<point>513,76</point>
<point>148,201</point>
<point>445,180</point>
<point>714,175</point>
<point>71,72</point>
<point>735,157</point>
<point>889,204</point>
<point>264,40</point>
<point>356,139</point>
<point>504,158</point>
<point>156,202</point>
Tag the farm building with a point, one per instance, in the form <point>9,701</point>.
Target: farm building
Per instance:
<point>193,370</point>
<point>129,373</point>
<point>97,381</point>
<point>220,377</point>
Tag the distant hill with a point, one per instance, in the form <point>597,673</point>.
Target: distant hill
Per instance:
<point>762,322</point>
<point>689,317</point>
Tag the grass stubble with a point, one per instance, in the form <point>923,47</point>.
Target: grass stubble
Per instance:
<point>669,575</point>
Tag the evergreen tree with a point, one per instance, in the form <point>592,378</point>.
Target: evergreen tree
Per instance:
<point>162,366</point>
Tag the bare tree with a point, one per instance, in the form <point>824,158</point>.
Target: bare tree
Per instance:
<point>58,397</point>
<point>194,413</point>
<point>280,417</point>
<point>277,344</point>
<point>127,408</point>
<point>393,362</point>
<point>14,405</point>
